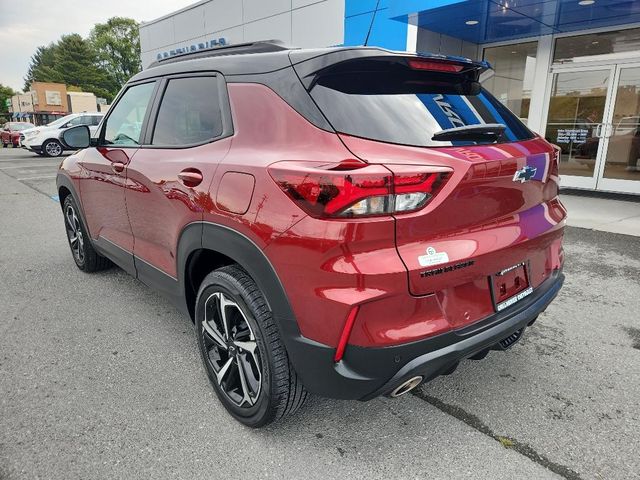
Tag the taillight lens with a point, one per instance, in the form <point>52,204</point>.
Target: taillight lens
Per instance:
<point>351,189</point>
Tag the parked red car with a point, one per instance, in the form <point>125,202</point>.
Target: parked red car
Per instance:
<point>10,132</point>
<point>349,222</point>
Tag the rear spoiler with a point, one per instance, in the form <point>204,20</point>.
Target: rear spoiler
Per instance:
<point>309,64</point>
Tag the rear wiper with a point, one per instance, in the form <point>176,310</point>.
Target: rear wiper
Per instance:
<point>482,131</point>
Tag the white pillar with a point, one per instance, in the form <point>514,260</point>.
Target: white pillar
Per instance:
<point>539,91</point>
<point>412,33</point>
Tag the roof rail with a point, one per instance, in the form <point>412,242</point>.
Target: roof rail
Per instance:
<point>262,46</point>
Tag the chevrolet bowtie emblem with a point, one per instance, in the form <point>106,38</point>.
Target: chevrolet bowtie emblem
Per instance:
<point>524,175</point>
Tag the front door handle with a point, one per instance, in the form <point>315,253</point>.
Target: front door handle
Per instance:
<point>118,167</point>
<point>190,177</point>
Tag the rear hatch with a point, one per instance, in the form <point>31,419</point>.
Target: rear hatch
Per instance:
<point>498,207</point>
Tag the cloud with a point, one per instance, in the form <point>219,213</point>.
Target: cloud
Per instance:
<point>27,24</point>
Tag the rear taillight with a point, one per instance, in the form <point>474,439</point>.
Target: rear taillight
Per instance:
<point>356,189</point>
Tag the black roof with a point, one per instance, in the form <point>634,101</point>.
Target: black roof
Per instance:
<point>269,56</point>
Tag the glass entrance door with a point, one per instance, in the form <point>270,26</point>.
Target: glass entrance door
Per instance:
<point>594,117</point>
<point>620,169</point>
<point>576,121</point>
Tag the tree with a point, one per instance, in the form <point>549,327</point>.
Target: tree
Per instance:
<point>42,66</point>
<point>76,64</point>
<point>5,93</point>
<point>117,47</point>
<point>100,64</point>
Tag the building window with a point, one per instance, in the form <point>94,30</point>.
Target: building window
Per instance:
<point>514,67</point>
<point>616,44</point>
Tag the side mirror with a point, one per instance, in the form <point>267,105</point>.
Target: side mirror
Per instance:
<point>77,137</point>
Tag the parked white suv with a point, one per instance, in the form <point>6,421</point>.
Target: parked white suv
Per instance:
<point>47,139</point>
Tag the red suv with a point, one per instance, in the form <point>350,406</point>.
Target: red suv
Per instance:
<point>348,222</point>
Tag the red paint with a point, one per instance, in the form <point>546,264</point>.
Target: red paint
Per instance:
<point>102,193</point>
<point>328,266</point>
<point>235,192</point>
<point>160,203</point>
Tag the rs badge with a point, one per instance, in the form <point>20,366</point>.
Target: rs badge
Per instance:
<point>524,175</point>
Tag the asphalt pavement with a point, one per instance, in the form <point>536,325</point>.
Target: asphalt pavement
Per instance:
<point>100,378</point>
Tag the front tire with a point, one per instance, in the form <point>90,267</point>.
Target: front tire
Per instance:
<point>243,355</point>
<point>52,148</point>
<point>86,258</point>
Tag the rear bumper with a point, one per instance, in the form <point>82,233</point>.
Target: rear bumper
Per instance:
<point>365,373</point>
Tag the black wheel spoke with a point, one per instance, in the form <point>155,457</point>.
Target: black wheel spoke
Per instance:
<point>214,335</point>
<point>220,374</point>
<point>244,383</point>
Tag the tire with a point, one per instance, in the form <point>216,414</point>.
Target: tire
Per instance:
<point>86,258</point>
<point>252,350</point>
<point>52,148</point>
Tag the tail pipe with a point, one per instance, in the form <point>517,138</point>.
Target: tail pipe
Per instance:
<point>407,386</point>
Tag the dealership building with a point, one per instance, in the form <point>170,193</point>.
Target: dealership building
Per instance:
<point>570,69</point>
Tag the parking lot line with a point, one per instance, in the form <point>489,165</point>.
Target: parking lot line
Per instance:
<point>50,164</point>
<point>35,178</point>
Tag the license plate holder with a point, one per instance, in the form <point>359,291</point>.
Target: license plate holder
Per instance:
<point>510,285</point>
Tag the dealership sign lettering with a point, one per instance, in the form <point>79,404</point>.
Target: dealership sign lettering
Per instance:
<point>216,42</point>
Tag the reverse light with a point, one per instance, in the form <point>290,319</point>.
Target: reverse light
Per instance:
<point>352,189</point>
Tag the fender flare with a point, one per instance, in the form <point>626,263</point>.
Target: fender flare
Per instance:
<point>243,251</point>
<point>63,180</point>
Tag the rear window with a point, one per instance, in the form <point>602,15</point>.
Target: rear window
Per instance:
<point>389,102</point>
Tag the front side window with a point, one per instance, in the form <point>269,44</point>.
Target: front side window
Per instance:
<point>189,112</point>
<point>77,121</point>
<point>124,125</point>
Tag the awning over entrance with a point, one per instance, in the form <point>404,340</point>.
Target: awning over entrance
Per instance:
<point>483,21</point>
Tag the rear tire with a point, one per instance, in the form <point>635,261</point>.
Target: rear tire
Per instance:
<point>86,258</point>
<point>246,362</point>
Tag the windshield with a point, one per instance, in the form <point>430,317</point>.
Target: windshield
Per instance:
<point>61,121</point>
<point>396,104</point>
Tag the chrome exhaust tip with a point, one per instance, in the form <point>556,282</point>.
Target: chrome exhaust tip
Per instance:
<point>407,386</point>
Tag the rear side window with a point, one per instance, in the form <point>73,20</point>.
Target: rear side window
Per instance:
<point>189,112</point>
<point>390,102</point>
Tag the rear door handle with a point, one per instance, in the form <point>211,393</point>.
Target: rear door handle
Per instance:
<point>190,177</point>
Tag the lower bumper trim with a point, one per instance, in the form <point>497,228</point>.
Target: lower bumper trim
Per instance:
<point>365,373</point>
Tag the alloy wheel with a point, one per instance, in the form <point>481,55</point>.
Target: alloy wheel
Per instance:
<point>53,149</point>
<point>231,350</point>
<point>74,233</point>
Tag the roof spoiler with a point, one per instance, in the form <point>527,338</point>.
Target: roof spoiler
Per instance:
<point>309,67</point>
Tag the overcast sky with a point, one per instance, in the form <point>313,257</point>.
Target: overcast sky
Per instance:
<point>26,24</point>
